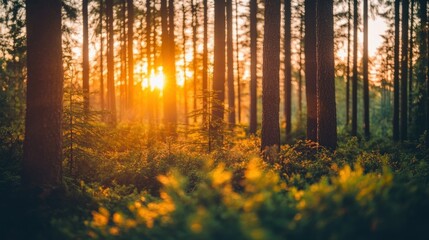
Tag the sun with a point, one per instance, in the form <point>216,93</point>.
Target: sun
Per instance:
<point>155,81</point>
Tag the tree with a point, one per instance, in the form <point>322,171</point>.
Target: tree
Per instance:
<point>349,19</point>
<point>205,62</point>
<point>230,63</point>
<point>396,76</point>
<point>101,56</point>
<point>218,74</point>
<point>310,68</point>
<point>355,71</point>
<point>111,96</point>
<point>85,58</point>
<point>404,71</point>
<point>288,67</point>
<point>41,166</point>
<point>130,10</point>
<point>365,70</point>
<point>194,7</point>
<point>327,117</point>
<point>237,63</point>
<point>270,83</point>
<point>422,119</point>
<point>253,61</point>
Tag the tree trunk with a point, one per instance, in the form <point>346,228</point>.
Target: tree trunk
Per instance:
<point>396,76</point>
<point>253,62</point>
<point>130,7</point>
<point>410,73</point>
<point>194,52</point>
<point>310,68</point>
<point>404,71</point>
<point>270,83</point>
<point>85,59</point>
<point>365,70</point>
<point>205,63</point>
<point>349,19</point>
<point>111,96</point>
<point>237,64</point>
<point>288,67</point>
<point>41,165</point>
<point>230,63</point>
<point>218,74</point>
<point>327,117</point>
<point>185,80</point>
<point>101,57</point>
<point>355,68</point>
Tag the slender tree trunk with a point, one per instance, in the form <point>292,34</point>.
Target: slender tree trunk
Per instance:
<point>170,108</point>
<point>410,73</point>
<point>85,60</point>
<point>365,70</point>
<point>327,117</point>
<point>130,6</point>
<point>270,83</point>
<point>396,76</point>
<point>230,63</point>
<point>150,67</point>
<point>404,71</point>
<point>288,67</point>
<point>205,91</point>
<point>101,57</point>
<point>301,37</point>
<point>111,96</point>
<point>42,161</point>
<point>123,60</point>
<point>237,63</point>
<point>310,68</point>
<point>185,65</point>
<point>355,68</point>
<point>218,74</point>
<point>253,62</point>
<point>349,19</point>
<point>195,54</point>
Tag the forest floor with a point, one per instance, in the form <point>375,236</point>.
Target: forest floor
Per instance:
<point>123,184</point>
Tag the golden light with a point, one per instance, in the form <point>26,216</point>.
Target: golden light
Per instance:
<point>156,80</point>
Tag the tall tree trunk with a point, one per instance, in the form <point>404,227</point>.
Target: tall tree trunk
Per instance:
<point>218,74</point>
<point>253,123</point>
<point>130,9</point>
<point>205,63</point>
<point>327,117</point>
<point>194,52</point>
<point>301,37</point>
<point>230,63</point>
<point>396,76</point>
<point>288,67</point>
<point>41,165</point>
<point>355,68</point>
<point>237,64</point>
<point>365,70</point>
<point>270,83</point>
<point>422,119</point>
<point>349,19</point>
<point>185,66</point>
<point>150,67</point>
<point>101,57</point>
<point>170,86</point>
<point>410,73</point>
<point>85,58</point>
<point>123,60</point>
<point>111,96</point>
<point>404,71</point>
<point>310,68</point>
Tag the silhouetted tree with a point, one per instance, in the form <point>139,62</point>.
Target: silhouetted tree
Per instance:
<point>230,63</point>
<point>365,70</point>
<point>85,58</point>
<point>396,75</point>
<point>288,67</point>
<point>355,67</point>
<point>253,123</point>
<point>404,71</point>
<point>270,83</point>
<point>111,96</point>
<point>310,68</point>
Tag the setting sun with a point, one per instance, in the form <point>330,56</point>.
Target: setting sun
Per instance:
<point>156,80</point>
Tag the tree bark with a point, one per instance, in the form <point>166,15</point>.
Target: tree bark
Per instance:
<point>355,68</point>
<point>365,70</point>
<point>327,117</point>
<point>85,59</point>
<point>396,76</point>
<point>130,9</point>
<point>310,68</point>
<point>111,96</point>
<point>41,165</point>
<point>205,64</point>
<point>253,123</point>
<point>270,83</point>
<point>404,71</point>
<point>230,63</point>
<point>288,67</point>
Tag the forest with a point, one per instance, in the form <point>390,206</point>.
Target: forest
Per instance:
<point>214,119</point>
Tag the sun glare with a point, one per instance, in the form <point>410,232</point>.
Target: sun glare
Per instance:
<point>155,81</point>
